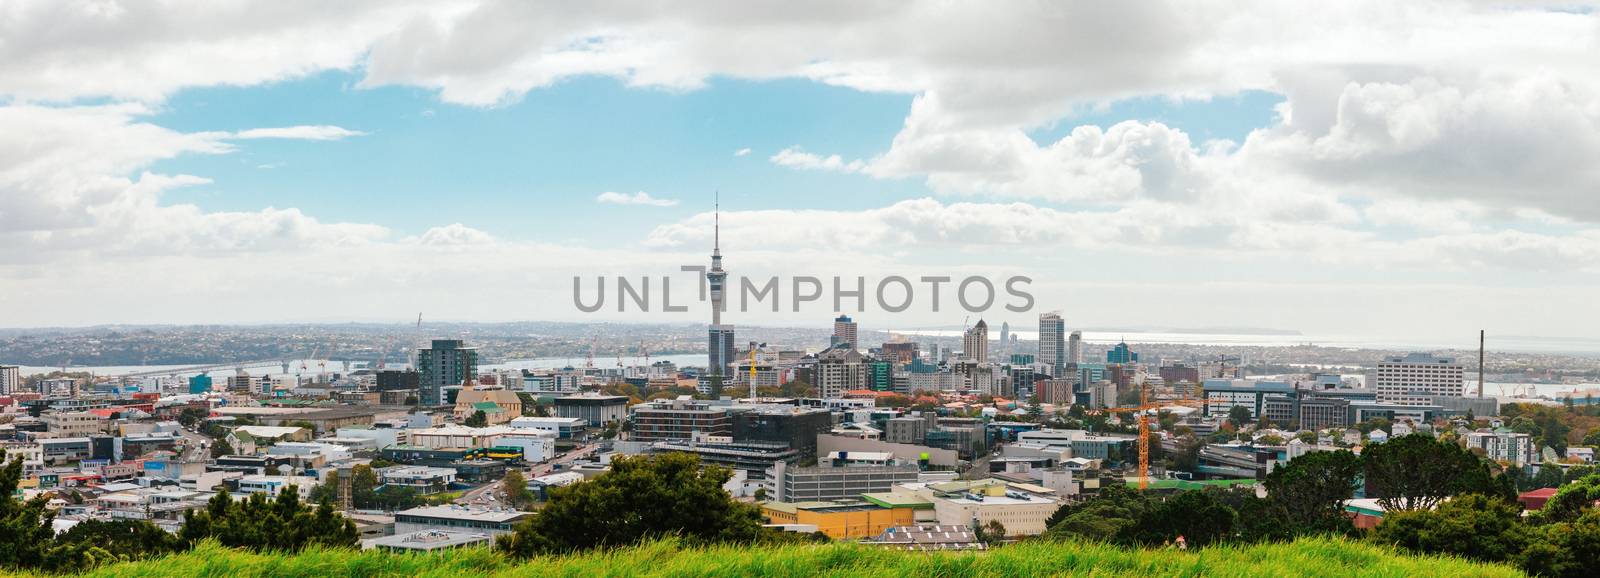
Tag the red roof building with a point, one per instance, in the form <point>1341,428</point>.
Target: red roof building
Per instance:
<point>1535,499</point>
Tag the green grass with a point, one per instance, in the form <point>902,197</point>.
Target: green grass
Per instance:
<point>1306,557</point>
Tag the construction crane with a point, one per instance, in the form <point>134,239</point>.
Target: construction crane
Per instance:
<point>1143,410</point>
<point>752,373</point>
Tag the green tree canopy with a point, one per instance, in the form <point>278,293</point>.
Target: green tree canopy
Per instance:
<point>1417,472</point>
<point>642,497</point>
<point>1312,488</point>
<point>1471,526</point>
<point>258,522</point>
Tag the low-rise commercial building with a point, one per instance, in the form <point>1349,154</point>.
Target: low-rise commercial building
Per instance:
<point>471,519</point>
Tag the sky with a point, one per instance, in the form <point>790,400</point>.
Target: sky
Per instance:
<point>1405,171</point>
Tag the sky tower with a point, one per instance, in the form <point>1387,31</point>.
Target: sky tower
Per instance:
<point>719,350</point>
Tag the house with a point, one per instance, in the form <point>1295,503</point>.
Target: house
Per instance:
<point>1535,499</point>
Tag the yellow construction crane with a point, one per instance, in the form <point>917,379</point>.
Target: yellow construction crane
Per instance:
<point>1144,425</point>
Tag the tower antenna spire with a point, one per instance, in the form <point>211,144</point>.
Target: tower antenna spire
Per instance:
<point>716,223</point>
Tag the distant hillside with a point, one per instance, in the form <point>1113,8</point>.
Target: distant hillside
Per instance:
<point>1306,557</point>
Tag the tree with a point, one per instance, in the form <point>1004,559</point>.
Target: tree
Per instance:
<point>1258,519</point>
<point>1572,500</point>
<point>517,488</point>
<point>1472,526</point>
<point>991,534</point>
<point>260,523</point>
<point>1196,516</point>
<point>128,540</point>
<point>1111,512</point>
<point>1569,549</point>
<point>1549,476</point>
<point>221,448</point>
<point>1239,416</point>
<point>642,497</point>
<point>411,400</point>
<point>477,419</point>
<point>1312,488</point>
<point>1416,472</point>
<point>24,526</point>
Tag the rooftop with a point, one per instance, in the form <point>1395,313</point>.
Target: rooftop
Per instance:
<point>465,513</point>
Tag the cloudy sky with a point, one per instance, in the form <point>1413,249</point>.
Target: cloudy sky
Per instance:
<point>1405,170</point>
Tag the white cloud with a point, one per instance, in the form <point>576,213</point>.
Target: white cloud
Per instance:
<point>795,158</point>
<point>303,132</point>
<point>741,152</point>
<point>639,198</point>
<point>454,235</point>
<point>73,180</point>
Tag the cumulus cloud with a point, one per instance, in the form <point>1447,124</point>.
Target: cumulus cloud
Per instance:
<point>639,198</point>
<point>741,152</point>
<point>795,158</point>
<point>74,179</point>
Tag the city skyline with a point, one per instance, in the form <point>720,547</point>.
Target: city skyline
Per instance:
<point>1387,171</point>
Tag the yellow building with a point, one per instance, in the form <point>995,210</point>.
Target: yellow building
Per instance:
<point>839,520</point>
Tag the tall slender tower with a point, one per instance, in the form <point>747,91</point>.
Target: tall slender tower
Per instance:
<point>720,345</point>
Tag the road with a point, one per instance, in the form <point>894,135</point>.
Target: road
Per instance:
<point>576,454</point>
<point>490,495</point>
<point>197,448</point>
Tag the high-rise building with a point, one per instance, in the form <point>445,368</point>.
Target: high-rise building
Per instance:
<point>200,383</point>
<point>1418,377</point>
<point>720,338</point>
<point>1121,354</point>
<point>1005,337</point>
<point>975,343</point>
<point>844,331</point>
<point>1075,348</point>
<point>1052,342</point>
<point>10,379</point>
<point>445,363</point>
<point>838,370</point>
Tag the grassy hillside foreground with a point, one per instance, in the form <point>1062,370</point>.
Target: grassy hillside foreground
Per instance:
<point>1306,557</point>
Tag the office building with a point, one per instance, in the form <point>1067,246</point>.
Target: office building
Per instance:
<point>10,379</point>
<point>1075,348</point>
<point>844,332</point>
<point>1056,391</point>
<point>975,343</point>
<point>598,410</point>
<point>679,419</point>
<point>1052,343</point>
<point>200,383</point>
<point>484,520</point>
<point>444,364</point>
<point>839,369</point>
<point>840,521</point>
<point>396,380</point>
<point>1417,377</point>
<point>825,483</point>
<point>1122,355</point>
<point>796,426</point>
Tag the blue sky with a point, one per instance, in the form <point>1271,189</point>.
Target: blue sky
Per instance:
<point>423,162</point>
